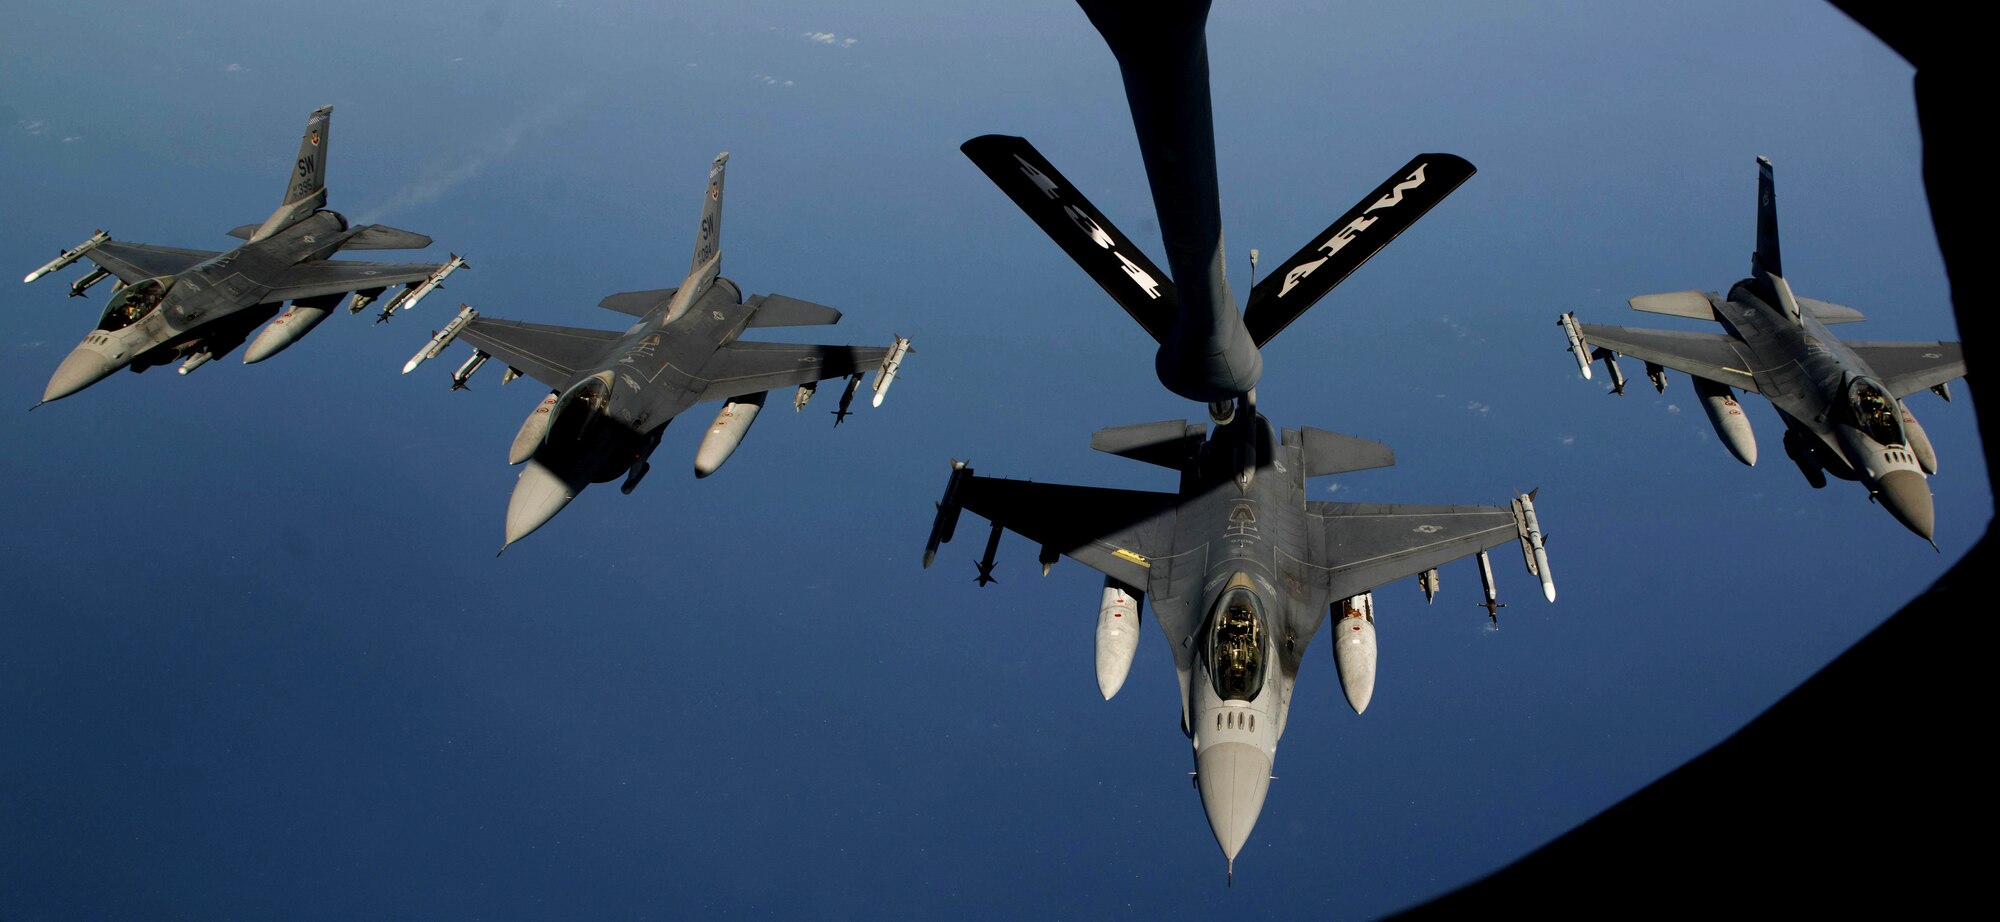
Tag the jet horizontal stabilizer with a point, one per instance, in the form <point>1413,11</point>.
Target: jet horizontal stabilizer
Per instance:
<point>782,311</point>
<point>637,303</point>
<point>1332,453</point>
<point>381,237</point>
<point>1299,282</point>
<point>1110,257</point>
<point>1830,313</point>
<point>1170,443</point>
<point>1690,304</point>
<point>245,231</point>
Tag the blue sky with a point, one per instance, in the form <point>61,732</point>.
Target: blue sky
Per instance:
<point>260,662</point>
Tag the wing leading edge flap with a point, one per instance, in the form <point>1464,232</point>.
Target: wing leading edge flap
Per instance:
<point>740,368</point>
<point>1714,356</point>
<point>1366,545</point>
<point>329,276</point>
<point>1299,282</point>
<point>1110,257</point>
<point>132,262</point>
<point>1116,532</point>
<point>550,354</point>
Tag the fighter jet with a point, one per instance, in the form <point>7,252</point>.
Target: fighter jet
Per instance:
<point>1841,403</point>
<point>192,306</point>
<point>1243,570</point>
<point>613,393</point>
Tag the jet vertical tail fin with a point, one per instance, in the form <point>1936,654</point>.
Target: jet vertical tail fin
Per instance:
<point>708,240</point>
<point>1766,257</point>
<point>306,190</point>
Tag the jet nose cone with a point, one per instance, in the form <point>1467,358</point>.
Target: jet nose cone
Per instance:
<point>538,496</point>
<point>1908,498</point>
<point>83,368</point>
<point>1233,778</point>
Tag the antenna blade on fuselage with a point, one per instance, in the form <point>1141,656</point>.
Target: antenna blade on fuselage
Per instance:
<point>1299,282</point>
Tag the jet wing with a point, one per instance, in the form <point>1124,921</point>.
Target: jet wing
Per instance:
<point>1115,532</point>
<point>1365,545</point>
<point>748,368</point>
<point>334,277</point>
<point>1715,356</point>
<point>133,262</point>
<point>1906,368</point>
<point>550,354</point>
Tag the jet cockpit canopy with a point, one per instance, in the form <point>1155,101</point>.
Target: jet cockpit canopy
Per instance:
<point>1236,659</point>
<point>133,302</point>
<point>1874,411</point>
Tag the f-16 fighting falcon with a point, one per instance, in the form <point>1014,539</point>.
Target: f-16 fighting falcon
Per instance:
<point>1841,403</point>
<point>613,394</point>
<point>1242,569</point>
<point>192,306</point>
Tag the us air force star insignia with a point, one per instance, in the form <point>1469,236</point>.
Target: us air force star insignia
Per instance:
<point>1430,529</point>
<point>716,314</point>
<point>310,238</point>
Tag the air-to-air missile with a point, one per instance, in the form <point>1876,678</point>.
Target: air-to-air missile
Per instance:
<point>1577,346</point>
<point>986,560</point>
<point>1492,603</point>
<point>841,412</point>
<point>441,338</point>
<point>66,257</point>
<point>890,363</point>
<point>415,293</point>
<point>1531,543</point>
<point>1611,368</point>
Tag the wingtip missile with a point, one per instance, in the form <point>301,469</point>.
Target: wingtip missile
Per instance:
<point>409,298</point>
<point>1577,347</point>
<point>1532,541</point>
<point>64,258</point>
<point>890,364</point>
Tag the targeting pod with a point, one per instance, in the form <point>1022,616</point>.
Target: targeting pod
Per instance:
<point>1577,346</point>
<point>64,258</point>
<point>441,338</point>
<point>946,521</point>
<point>409,298</point>
<point>890,363</point>
<point>1530,532</point>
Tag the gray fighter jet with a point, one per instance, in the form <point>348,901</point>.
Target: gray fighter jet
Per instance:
<point>613,393</point>
<point>1841,403</point>
<point>1241,567</point>
<point>192,306</point>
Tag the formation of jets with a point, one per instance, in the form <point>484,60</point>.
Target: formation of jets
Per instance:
<point>1241,568</point>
